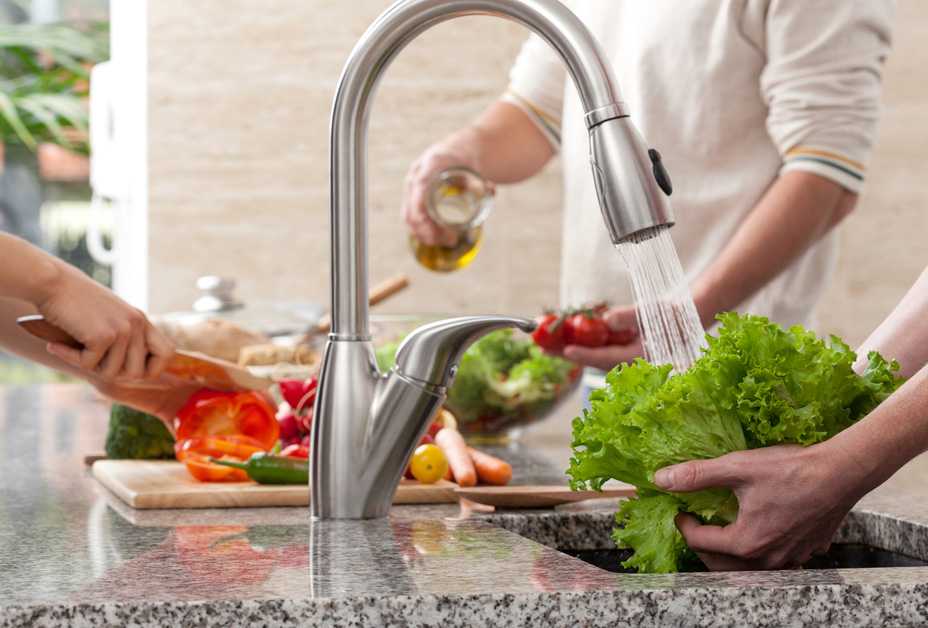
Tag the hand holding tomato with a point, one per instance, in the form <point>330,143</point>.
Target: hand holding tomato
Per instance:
<point>599,336</point>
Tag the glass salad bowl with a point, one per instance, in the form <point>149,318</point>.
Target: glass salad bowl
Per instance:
<point>504,382</point>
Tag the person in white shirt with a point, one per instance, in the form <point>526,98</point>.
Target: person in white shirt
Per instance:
<point>765,112</point>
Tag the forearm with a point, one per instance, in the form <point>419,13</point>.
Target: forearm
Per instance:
<point>797,210</point>
<point>504,144</point>
<point>26,272</point>
<point>903,335</point>
<point>876,447</point>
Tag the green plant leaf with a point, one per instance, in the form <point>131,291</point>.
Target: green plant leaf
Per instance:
<point>10,115</point>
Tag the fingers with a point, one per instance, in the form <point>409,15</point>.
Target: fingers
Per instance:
<point>622,318</point>
<point>136,355</point>
<point>114,359</point>
<point>417,189</point>
<point>721,562</point>
<point>604,358</point>
<point>707,538</point>
<point>416,214</point>
<point>65,353</point>
<point>160,350</point>
<point>723,472</point>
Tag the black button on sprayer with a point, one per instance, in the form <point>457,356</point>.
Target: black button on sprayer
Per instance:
<point>660,172</point>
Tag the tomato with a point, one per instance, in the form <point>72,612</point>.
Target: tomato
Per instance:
<point>549,332</point>
<point>428,464</point>
<point>622,336</point>
<point>213,413</point>
<point>587,331</point>
<point>427,439</point>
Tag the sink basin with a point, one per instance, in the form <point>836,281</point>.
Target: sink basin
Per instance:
<point>864,540</point>
<point>840,556</point>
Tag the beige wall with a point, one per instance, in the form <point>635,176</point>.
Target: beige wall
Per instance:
<point>240,94</point>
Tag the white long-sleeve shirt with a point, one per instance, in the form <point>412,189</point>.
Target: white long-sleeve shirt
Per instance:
<point>732,93</point>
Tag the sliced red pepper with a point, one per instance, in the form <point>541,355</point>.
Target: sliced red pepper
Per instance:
<point>215,413</point>
<point>202,469</point>
<point>236,446</point>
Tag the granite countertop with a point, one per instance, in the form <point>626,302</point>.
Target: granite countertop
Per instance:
<point>71,553</point>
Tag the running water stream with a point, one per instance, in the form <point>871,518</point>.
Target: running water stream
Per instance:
<point>667,317</point>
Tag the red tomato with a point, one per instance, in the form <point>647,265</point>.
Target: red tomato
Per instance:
<point>213,413</point>
<point>587,331</point>
<point>549,333</point>
<point>622,336</point>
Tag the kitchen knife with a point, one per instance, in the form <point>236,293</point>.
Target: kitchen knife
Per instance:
<point>188,366</point>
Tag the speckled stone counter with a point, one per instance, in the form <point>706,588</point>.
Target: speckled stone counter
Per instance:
<point>71,554</point>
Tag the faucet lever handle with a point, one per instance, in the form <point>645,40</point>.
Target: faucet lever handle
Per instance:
<point>430,354</point>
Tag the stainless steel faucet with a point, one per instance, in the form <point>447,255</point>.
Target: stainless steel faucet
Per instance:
<point>367,423</point>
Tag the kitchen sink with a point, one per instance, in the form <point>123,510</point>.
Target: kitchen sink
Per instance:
<point>864,540</point>
<point>840,556</point>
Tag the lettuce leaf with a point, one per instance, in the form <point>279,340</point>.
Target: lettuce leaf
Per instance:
<point>755,385</point>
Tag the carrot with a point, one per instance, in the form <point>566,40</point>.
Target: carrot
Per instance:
<point>490,469</point>
<point>462,466</point>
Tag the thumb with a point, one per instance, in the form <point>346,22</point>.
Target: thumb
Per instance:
<point>697,475</point>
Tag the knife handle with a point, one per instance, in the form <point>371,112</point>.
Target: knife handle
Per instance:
<point>36,325</point>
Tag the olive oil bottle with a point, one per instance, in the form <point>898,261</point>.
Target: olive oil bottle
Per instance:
<point>459,201</point>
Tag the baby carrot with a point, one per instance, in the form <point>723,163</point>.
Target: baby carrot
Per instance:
<point>462,466</point>
<point>490,470</point>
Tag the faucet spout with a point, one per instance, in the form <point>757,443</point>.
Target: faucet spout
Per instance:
<point>359,412</point>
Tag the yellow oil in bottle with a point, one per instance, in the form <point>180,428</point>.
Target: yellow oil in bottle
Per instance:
<point>445,259</point>
<point>458,204</point>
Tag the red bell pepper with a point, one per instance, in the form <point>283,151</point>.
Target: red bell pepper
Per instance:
<point>196,452</point>
<point>214,413</point>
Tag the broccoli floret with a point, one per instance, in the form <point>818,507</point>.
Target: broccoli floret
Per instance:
<point>134,434</point>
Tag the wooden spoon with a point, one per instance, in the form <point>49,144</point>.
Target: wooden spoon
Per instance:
<point>536,496</point>
<point>187,366</point>
<point>381,292</point>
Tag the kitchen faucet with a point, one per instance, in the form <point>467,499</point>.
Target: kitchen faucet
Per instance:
<point>366,423</point>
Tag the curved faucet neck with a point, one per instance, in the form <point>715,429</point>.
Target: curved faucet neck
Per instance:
<point>401,23</point>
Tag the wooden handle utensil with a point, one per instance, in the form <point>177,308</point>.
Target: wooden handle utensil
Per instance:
<point>381,292</point>
<point>188,366</point>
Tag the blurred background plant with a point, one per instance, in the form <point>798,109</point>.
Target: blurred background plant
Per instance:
<point>47,49</point>
<point>44,82</point>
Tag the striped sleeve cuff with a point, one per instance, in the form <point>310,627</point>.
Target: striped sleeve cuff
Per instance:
<point>547,123</point>
<point>844,171</point>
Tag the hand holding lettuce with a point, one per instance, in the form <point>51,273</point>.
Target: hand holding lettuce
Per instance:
<point>756,385</point>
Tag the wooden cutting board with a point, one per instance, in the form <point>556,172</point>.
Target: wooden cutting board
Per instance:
<point>166,484</point>
<point>538,496</point>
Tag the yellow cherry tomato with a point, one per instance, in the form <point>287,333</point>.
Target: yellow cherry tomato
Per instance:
<point>428,464</point>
